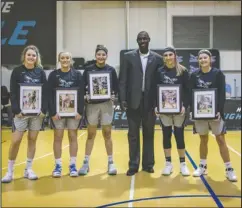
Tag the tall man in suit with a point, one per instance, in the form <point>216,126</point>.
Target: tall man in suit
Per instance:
<point>138,99</point>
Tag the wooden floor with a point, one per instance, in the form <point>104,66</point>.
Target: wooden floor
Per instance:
<point>143,189</point>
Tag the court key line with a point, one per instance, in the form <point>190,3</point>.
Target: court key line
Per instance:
<point>37,158</point>
<point>232,149</point>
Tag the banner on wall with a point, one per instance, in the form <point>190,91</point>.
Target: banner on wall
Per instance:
<point>28,22</point>
<point>186,57</point>
<point>232,115</point>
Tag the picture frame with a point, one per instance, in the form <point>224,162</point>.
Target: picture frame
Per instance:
<point>204,104</point>
<point>99,85</point>
<point>169,98</point>
<point>66,102</point>
<point>30,99</point>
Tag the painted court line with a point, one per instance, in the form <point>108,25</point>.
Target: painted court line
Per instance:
<point>131,191</point>
<point>51,153</point>
<point>210,190</point>
<point>166,197</point>
<point>232,149</point>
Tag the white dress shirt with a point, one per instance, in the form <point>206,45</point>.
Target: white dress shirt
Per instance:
<point>144,60</point>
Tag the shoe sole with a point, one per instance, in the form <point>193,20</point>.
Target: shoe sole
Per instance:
<point>167,174</point>
<point>200,175</point>
<point>231,180</point>
<point>32,179</point>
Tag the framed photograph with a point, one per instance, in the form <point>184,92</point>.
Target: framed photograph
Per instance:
<point>99,85</point>
<point>66,102</point>
<point>30,98</point>
<point>169,98</point>
<point>204,104</point>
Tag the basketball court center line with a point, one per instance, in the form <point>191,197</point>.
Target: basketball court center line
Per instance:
<point>232,149</point>
<point>37,158</point>
<point>131,191</point>
<point>167,197</point>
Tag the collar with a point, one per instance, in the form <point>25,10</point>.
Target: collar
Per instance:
<point>144,55</point>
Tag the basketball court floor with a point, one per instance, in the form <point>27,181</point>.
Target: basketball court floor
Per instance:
<point>98,189</point>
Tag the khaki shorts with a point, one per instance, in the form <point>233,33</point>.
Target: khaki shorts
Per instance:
<point>202,127</point>
<point>34,123</point>
<point>172,120</point>
<point>66,123</point>
<point>103,111</point>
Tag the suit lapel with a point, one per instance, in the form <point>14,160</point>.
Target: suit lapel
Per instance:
<point>138,60</point>
<point>149,61</point>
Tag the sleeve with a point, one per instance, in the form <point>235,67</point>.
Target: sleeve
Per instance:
<point>185,89</point>
<point>221,92</point>
<point>14,92</point>
<point>85,82</point>
<point>123,80</point>
<point>81,93</point>
<point>160,62</point>
<point>51,95</point>
<point>115,83</point>
<point>191,85</point>
<point>45,97</point>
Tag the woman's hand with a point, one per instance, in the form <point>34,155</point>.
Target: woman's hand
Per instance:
<point>56,117</point>
<point>20,115</point>
<point>183,110</point>
<point>78,116</point>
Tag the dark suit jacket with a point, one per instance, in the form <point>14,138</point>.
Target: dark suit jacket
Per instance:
<point>131,76</point>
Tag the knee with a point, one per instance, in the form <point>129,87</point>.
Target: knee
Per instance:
<point>91,133</point>
<point>107,133</point>
<point>179,135</point>
<point>220,140</point>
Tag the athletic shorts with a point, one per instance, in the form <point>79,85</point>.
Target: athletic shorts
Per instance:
<point>66,123</point>
<point>172,120</point>
<point>34,123</point>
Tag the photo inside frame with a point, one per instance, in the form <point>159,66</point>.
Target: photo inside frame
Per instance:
<point>66,102</point>
<point>169,99</point>
<point>30,99</point>
<point>100,85</point>
<point>205,104</point>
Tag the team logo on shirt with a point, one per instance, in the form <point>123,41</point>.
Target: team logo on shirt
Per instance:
<point>203,84</point>
<point>28,79</point>
<point>64,83</point>
<point>168,80</point>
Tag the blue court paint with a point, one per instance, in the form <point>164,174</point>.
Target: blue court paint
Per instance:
<point>215,197</point>
<point>167,197</point>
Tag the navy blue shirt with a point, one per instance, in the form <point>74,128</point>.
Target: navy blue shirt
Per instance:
<point>114,78</point>
<point>212,79</point>
<point>33,76</point>
<point>60,79</point>
<point>169,76</point>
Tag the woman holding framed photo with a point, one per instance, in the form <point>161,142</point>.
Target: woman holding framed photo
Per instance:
<point>208,77</point>
<point>170,75</point>
<point>66,104</point>
<point>97,82</point>
<point>31,75</point>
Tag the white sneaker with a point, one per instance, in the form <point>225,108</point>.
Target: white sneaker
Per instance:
<point>7,178</point>
<point>201,170</point>
<point>230,175</point>
<point>84,169</point>
<point>168,169</point>
<point>29,173</point>
<point>112,169</point>
<point>184,169</point>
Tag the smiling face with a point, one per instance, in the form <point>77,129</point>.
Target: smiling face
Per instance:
<point>143,40</point>
<point>101,57</point>
<point>65,60</point>
<point>204,60</point>
<point>169,58</point>
<point>30,58</point>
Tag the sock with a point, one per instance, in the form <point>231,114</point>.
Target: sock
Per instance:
<point>168,159</point>
<point>86,159</point>
<point>10,165</point>
<point>72,160</point>
<point>110,159</point>
<point>203,161</point>
<point>58,161</point>
<point>182,159</point>
<point>228,165</point>
<point>29,163</point>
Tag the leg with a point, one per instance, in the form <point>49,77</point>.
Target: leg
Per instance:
<point>166,123</point>
<point>148,124</point>
<point>134,119</point>
<point>202,128</point>
<point>106,131</point>
<point>218,129</point>
<point>72,135</point>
